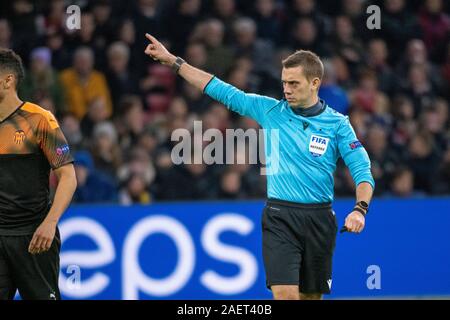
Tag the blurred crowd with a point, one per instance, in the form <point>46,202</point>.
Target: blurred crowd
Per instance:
<point>118,108</point>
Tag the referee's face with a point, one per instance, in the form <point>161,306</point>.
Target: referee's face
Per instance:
<point>297,90</point>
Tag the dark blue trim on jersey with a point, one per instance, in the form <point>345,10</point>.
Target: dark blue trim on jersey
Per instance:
<point>315,110</point>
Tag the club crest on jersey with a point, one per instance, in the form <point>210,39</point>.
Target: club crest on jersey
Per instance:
<point>318,145</point>
<point>19,136</point>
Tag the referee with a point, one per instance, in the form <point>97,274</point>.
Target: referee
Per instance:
<point>298,223</point>
<point>31,143</point>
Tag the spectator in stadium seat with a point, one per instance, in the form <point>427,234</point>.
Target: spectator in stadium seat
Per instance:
<point>306,9</point>
<point>96,113</point>
<point>60,53</point>
<point>195,99</point>
<point>404,124</point>
<point>433,120</point>
<point>267,21</point>
<point>377,59</point>
<point>419,87</point>
<point>130,121</point>
<point>330,91</point>
<point>445,71</point>
<point>402,184</point>
<point>416,54</point>
<point>134,191</point>
<point>219,56</point>
<point>174,181</point>
<point>104,22</point>
<point>225,11</point>
<point>137,161</point>
<point>366,94</point>
<point>5,34</point>
<point>120,81</point>
<point>149,140</point>
<point>305,37</point>
<point>181,23</point>
<point>423,161</point>
<point>230,185</point>
<point>85,37</point>
<point>435,25</point>
<point>146,15</point>
<point>23,22</point>
<point>399,26</point>
<point>360,121</point>
<point>442,184</point>
<point>240,78</point>
<point>343,184</point>
<point>42,81</point>
<point>343,76</point>
<point>82,84</point>
<point>356,11</point>
<point>345,44</point>
<point>196,54</point>
<point>127,34</point>
<point>253,183</point>
<point>247,44</point>
<point>47,103</point>
<point>93,187</point>
<point>384,160</point>
<point>70,126</point>
<point>105,151</point>
<point>55,16</point>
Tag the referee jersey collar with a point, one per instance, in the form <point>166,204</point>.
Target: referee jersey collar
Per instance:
<point>315,110</point>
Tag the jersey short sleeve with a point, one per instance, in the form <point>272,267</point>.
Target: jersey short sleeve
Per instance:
<point>52,142</point>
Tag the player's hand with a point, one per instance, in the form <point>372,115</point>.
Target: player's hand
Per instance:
<point>158,52</point>
<point>355,222</point>
<point>42,238</point>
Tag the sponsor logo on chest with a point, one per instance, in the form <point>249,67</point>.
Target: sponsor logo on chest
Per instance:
<point>318,145</point>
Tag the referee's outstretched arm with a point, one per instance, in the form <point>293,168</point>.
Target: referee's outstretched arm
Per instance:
<point>246,104</point>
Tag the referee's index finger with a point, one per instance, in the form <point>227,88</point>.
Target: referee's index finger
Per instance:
<point>151,38</point>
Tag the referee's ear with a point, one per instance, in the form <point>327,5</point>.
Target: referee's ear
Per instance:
<point>316,83</point>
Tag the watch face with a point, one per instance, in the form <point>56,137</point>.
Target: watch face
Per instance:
<point>363,204</point>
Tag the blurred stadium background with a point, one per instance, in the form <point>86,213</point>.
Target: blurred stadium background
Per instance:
<point>142,227</point>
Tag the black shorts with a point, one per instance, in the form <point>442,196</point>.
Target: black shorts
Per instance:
<point>35,276</point>
<point>298,245</point>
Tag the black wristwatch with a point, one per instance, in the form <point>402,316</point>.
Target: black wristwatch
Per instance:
<point>362,207</point>
<point>177,64</point>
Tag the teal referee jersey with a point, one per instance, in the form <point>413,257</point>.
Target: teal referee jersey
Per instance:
<point>301,149</point>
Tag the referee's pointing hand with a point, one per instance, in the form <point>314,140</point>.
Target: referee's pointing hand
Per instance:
<point>158,52</point>
<point>355,222</point>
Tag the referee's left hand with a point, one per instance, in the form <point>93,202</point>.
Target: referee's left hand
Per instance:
<point>42,238</point>
<point>355,222</point>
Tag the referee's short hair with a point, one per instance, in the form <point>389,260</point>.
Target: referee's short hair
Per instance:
<point>308,60</point>
<point>11,62</point>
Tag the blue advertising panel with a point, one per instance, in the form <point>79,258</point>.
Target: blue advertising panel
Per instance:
<point>212,250</point>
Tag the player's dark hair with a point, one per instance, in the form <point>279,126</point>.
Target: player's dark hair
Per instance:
<point>11,62</point>
<point>309,61</point>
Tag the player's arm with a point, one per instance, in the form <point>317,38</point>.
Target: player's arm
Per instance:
<point>358,162</point>
<point>67,184</point>
<point>54,147</point>
<point>251,105</point>
<point>44,234</point>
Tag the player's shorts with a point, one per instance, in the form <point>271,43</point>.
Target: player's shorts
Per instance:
<point>298,245</point>
<point>34,276</point>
